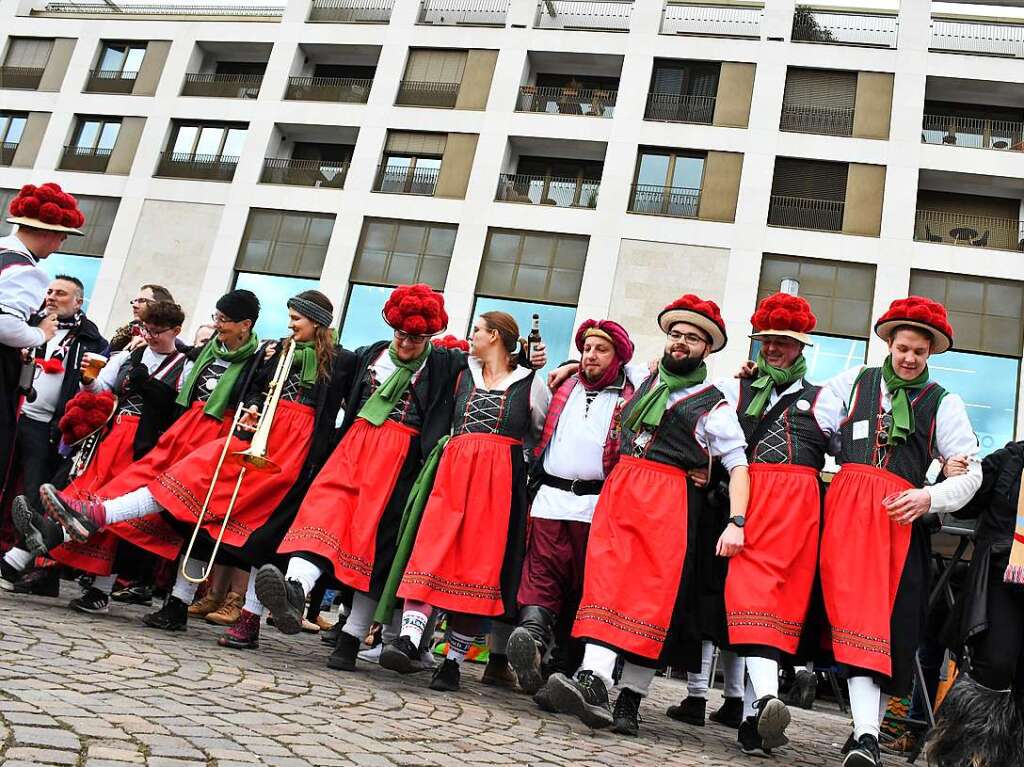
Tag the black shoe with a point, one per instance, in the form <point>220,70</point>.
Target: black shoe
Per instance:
<point>173,616</point>
<point>345,651</point>
<point>750,742</point>
<point>40,534</point>
<point>41,582</point>
<point>135,594</point>
<point>627,713</point>
<point>497,672</point>
<point>8,575</point>
<point>730,714</point>
<point>771,720</point>
<point>283,599</point>
<point>331,635</point>
<point>401,656</point>
<point>446,677</point>
<point>585,697</point>
<point>864,754</point>
<point>524,657</point>
<point>849,745</point>
<point>543,700</point>
<point>93,601</point>
<point>804,690</point>
<point>689,711</point>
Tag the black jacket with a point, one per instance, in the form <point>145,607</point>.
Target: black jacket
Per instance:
<point>87,339</point>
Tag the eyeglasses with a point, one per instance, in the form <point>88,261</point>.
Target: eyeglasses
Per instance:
<point>882,432</point>
<point>153,332</point>
<point>691,339</point>
<point>401,335</point>
<point>141,301</point>
<point>220,319</point>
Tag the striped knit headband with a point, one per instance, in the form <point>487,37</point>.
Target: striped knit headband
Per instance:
<point>313,311</point>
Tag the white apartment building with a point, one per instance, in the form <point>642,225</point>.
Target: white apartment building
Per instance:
<point>570,158</point>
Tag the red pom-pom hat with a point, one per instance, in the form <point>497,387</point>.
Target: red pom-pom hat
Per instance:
<point>693,309</point>
<point>783,314</point>
<point>451,342</point>
<point>85,413</point>
<point>918,312</point>
<point>416,310</point>
<point>46,207</point>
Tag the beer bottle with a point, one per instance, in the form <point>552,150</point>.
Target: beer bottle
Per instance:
<point>534,338</point>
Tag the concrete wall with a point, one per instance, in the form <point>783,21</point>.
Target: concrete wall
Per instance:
<point>31,139</point>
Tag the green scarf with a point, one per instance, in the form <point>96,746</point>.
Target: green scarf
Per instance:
<point>650,408</point>
<point>222,393</point>
<point>305,357</point>
<point>380,404</point>
<point>768,378</point>
<point>902,413</point>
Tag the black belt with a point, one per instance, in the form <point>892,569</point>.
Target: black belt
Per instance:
<point>574,486</point>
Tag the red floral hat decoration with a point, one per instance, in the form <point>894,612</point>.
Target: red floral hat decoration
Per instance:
<point>451,342</point>
<point>416,310</point>
<point>918,312</point>
<point>693,309</point>
<point>85,413</point>
<point>46,207</point>
<point>783,314</point>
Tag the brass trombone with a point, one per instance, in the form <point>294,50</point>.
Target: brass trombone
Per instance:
<point>255,458</point>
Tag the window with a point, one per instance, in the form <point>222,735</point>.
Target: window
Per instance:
<point>82,256</point>
<point>203,150</point>
<point>96,135</point>
<point>28,52</point>
<point>12,126</point>
<point>273,292</point>
<point>122,59</point>
<point>556,324</point>
<point>85,268</point>
<point>550,181</point>
<point>668,182</point>
<point>285,243</point>
<point>683,91</point>
<point>808,194</point>
<point>819,101</point>
<point>412,163</point>
<point>987,316</point>
<point>535,266</point>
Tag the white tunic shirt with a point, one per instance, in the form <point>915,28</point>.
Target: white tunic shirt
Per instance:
<point>22,290</point>
<point>46,385</point>
<point>107,378</point>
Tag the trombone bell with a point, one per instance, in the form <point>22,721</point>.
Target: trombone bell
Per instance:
<point>256,462</point>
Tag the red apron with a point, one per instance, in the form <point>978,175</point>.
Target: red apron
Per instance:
<point>183,487</point>
<point>862,558</point>
<point>768,588</point>
<point>460,547</point>
<point>635,557</point>
<point>339,516</point>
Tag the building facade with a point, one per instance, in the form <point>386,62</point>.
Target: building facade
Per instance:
<point>562,157</point>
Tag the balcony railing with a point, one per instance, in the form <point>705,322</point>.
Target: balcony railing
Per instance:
<point>24,78</point>
<point>205,167</point>
<point>427,94</point>
<point>953,228</point>
<point>567,101</point>
<point>984,38</point>
<point>974,132</point>
<point>352,11</point>
<point>316,173</point>
<point>672,107</point>
<point>545,190</point>
<point>826,121</point>
<point>654,200</point>
<point>844,28</point>
<point>470,13</point>
<point>89,159</point>
<point>599,16</point>
<point>7,151</point>
<point>392,180</point>
<point>347,89</point>
<point>711,19</point>
<point>141,9</point>
<point>806,213</point>
<point>110,81</point>
<point>225,86</point>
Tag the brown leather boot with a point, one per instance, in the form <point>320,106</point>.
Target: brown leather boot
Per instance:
<point>210,602</point>
<point>229,612</point>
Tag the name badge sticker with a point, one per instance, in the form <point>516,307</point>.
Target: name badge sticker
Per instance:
<point>860,430</point>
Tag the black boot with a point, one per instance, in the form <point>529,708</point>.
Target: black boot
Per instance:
<point>527,645</point>
<point>402,656</point>
<point>173,616</point>
<point>584,696</point>
<point>40,582</point>
<point>730,714</point>
<point>865,753</point>
<point>627,713</point>
<point>284,599</point>
<point>345,651</point>
<point>771,721</point>
<point>689,711</point>
<point>446,677</point>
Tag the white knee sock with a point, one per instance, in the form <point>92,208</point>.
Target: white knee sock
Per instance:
<point>252,602</point>
<point>748,700</point>
<point>497,640</point>
<point>636,678</point>
<point>19,559</point>
<point>734,668</point>
<point>137,503</point>
<point>865,702</point>
<point>413,624</point>
<point>357,624</point>
<point>104,583</point>
<point>697,684</point>
<point>764,676</point>
<point>600,661</point>
<point>184,589</point>
<point>303,571</point>
<point>458,646</point>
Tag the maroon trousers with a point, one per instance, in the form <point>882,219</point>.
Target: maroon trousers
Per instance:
<point>556,551</point>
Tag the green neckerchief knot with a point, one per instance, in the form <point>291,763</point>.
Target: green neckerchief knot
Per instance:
<point>902,425</point>
<point>305,359</point>
<point>236,360</point>
<point>380,404</point>
<point>649,409</point>
<point>770,377</point>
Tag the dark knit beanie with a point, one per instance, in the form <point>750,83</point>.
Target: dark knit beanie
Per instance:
<point>239,305</point>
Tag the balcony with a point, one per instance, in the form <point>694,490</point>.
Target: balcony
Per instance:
<point>844,28</point>
<point>711,20</point>
<point>468,13</point>
<point>982,38</point>
<point>544,190</point>
<point>567,101</point>
<point>344,89</point>
<point>427,94</point>
<point>671,107</point>
<point>806,213</point>
<point>352,11</point>
<point>7,151</point>
<point>110,81</point>
<point>973,132</point>
<point>86,159</point>
<point>969,230</point>
<point>397,180</point>
<point>140,9</point>
<point>22,78</point>
<point>824,121</point>
<point>203,167</point>
<point>225,86</point>
<point>674,201</point>
<point>579,15</point>
<point>315,173</point>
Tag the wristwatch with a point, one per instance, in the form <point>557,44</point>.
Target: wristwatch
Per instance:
<point>738,520</point>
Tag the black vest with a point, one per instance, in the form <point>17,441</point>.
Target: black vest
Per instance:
<point>132,402</point>
<point>794,435</point>
<point>479,411</point>
<point>409,408</point>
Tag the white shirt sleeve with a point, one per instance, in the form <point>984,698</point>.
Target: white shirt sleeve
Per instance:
<point>954,436</point>
<point>637,373</point>
<point>829,411</point>
<point>540,400</point>
<point>18,334</point>
<point>730,387</point>
<point>721,434</point>
<point>842,386</point>
<point>108,376</point>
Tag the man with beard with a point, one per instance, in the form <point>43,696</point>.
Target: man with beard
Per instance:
<point>639,593</point>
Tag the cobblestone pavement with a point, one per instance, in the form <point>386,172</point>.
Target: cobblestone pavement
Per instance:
<point>105,691</point>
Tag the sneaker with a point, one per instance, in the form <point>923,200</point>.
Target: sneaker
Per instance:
<point>627,713</point>
<point>730,714</point>
<point>401,656</point>
<point>210,602</point>
<point>244,634</point>
<point>345,651</point>
<point>8,575</point>
<point>80,518</point>
<point>584,696</point>
<point>447,677</point>
<point>864,754</point>
<point>173,616</point>
<point>229,612</point>
<point>40,582</point>
<point>849,745</point>
<point>92,601</point>
<point>689,711</point>
<point>40,534</point>
<point>497,672</point>
<point>134,594</point>
<point>543,700</point>
<point>750,742</point>
<point>524,657</point>
<point>284,599</point>
<point>772,719</point>
<point>804,690</point>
